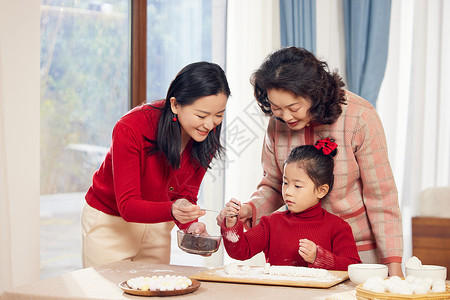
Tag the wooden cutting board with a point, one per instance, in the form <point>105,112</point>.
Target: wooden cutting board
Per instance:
<point>255,276</point>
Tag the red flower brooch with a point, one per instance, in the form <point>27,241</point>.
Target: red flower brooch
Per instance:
<point>326,145</point>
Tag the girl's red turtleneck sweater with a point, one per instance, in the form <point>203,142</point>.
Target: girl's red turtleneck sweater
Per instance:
<point>278,236</point>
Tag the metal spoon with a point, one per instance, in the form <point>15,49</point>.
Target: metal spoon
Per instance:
<point>219,212</point>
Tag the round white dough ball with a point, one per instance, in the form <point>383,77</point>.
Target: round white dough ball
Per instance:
<point>376,280</point>
<point>420,288</point>
<point>401,288</point>
<point>374,286</point>
<point>396,279</point>
<point>438,286</point>
<point>428,280</point>
<point>413,263</point>
<point>422,281</point>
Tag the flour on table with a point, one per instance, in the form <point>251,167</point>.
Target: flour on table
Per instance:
<point>245,268</point>
<point>232,269</point>
<point>269,272</point>
<point>295,271</point>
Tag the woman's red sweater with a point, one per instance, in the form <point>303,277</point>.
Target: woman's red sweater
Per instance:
<point>140,187</point>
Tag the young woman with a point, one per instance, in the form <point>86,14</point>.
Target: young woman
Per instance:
<point>305,235</point>
<point>306,102</point>
<point>151,175</point>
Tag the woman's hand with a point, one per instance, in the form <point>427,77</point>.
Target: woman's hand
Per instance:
<point>184,211</point>
<point>308,250</point>
<point>197,228</point>
<point>395,269</point>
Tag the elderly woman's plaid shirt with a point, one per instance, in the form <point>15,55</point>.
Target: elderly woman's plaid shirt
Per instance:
<point>364,192</point>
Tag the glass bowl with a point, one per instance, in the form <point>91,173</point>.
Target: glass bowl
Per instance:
<point>198,243</point>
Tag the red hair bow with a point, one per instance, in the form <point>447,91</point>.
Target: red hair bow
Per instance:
<point>326,145</point>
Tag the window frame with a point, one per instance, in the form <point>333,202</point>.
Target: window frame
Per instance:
<point>138,64</point>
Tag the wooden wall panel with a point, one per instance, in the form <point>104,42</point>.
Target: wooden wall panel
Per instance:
<point>431,241</point>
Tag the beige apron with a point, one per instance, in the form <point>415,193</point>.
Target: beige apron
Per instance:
<point>107,239</point>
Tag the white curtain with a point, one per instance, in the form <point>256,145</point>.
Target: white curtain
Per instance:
<point>19,142</point>
<point>330,39</point>
<point>414,103</point>
<point>5,233</point>
<point>253,32</point>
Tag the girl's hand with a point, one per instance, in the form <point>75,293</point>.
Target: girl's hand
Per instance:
<point>308,250</point>
<point>245,214</point>
<point>184,211</point>
<point>231,208</point>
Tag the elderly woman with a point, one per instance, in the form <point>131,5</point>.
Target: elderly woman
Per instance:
<point>307,102</point>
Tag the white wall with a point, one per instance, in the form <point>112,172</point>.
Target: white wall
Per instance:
<point>20,105</point>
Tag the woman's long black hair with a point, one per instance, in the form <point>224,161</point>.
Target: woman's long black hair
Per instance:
<point>298,71</point>
<point>194,81</point>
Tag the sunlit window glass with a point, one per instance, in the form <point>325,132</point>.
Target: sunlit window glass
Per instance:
<point>84,91</point>
<point>179,33</point>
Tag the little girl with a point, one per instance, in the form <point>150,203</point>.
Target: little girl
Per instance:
<point>305,234</point>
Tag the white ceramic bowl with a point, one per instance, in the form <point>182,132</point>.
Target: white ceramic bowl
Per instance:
<point>359,273</point>
<point>198,244</point>
<point>431,271</point>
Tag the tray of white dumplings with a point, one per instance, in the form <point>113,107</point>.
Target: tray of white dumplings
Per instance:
<point>159,286</point>
<point>411,287</point>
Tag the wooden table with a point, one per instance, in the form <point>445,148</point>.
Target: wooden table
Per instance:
<point>102,283</point>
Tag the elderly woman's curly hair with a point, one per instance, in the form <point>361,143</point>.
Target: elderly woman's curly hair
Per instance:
<point>298,71</point>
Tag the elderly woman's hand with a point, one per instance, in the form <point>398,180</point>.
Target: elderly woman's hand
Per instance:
<point>184,211</point>
<point>245,215</point>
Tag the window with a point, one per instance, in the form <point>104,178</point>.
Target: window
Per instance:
<point>84,91</point>
<point>86,87</point>
<point>179,33</point>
